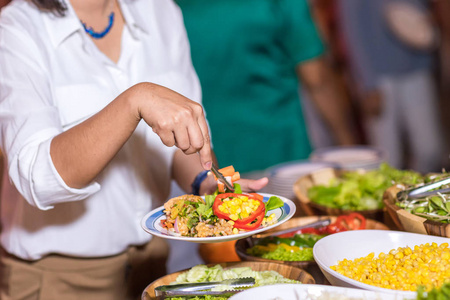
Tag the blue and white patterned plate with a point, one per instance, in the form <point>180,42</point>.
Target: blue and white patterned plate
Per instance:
<point>151,223</point>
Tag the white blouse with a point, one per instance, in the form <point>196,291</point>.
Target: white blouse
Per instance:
<point>52,77</point>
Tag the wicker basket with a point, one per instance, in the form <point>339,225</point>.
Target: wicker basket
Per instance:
<point>286,271</point>
<point>303,184</point>
<point>409,222</point>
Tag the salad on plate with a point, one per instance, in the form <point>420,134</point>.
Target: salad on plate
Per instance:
<point>220,214</point>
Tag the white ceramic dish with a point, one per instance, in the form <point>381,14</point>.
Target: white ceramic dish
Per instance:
<point>350,157</point>
<point>311,292</point>
<point>151,223</point>
<point>359,243</point>
<point>283,176</point>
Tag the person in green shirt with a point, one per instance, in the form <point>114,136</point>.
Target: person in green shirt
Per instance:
<point>250,56</point>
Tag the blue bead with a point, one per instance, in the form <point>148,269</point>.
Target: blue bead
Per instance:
<point>99,35</point>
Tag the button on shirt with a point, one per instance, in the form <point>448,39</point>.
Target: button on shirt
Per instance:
<point>53,77</point>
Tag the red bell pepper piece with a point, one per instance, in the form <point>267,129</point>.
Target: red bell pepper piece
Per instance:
<point>301,231</point>
<point>353,221</point>
<point>256,196</point>
<point>219,200</point>
<point>250,226</point>
<point>356,221</point>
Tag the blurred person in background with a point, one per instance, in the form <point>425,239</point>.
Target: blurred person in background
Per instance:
<point>251,56</point>
<point>441,11</point>
<point>391,46</point>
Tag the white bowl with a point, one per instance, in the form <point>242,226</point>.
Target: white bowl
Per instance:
<point>311,292</point>
<point>359,243</point>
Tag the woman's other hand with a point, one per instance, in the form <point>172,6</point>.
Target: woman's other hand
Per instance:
<point>209,186</point>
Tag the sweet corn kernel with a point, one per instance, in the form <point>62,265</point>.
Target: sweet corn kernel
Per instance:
<point>234,217</point>
<point>239,207</point>
<point>401,269</point>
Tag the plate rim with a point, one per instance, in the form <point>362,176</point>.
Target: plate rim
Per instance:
<point>286,201</point>
<point>322,288</point>
<point>319,154</point>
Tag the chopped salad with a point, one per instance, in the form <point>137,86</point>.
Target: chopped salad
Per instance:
<point>435,207</point>
<point>203,273</point>
<point>358,191</point>
<point>219,214</point>
<point>298,245</point>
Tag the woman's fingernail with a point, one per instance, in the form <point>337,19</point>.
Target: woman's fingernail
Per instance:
<point>208,165</point>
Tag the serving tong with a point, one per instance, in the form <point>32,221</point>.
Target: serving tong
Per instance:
<point>231,286</point>
<point>222,178</point>
<point>316,224</point>
<point>425,190</point>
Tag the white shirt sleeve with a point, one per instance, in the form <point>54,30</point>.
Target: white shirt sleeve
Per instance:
<point>29,120</point>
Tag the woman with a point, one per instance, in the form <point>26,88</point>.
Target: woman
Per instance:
<point>94,95</point>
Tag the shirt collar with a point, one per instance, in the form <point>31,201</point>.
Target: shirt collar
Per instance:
<point>133,19</point>
<point>60,28</point>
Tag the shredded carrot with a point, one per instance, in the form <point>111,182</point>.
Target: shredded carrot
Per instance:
<point>235,177</point>
<point>227,171</point>
<point>221,187</point>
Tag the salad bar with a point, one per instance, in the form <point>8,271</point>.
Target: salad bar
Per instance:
<point>354,235</point>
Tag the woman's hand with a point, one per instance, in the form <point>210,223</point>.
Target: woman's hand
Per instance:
<point>209,185</point>
<point>253,185</point>
<point>175,119</point>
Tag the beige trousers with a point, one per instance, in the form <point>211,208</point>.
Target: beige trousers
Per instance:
<point>119,277</point>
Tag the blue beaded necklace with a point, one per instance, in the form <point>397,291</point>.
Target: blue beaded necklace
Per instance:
<point>99,35</point>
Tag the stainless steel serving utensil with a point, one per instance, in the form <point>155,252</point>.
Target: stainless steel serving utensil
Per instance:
<point>221,178</point>
<point>424,190</point>
<point>232,286</point>
<point>320,223</point>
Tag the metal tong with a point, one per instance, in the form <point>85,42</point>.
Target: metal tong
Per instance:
<point>320,223</point>
<point>424,190</point>
<point>204,288</point>
<point>221,178</point>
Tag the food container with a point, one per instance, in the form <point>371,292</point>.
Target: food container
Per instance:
<point>323,176</point>
<point>406,221</point>
<point>360,243</point>
<point>218,252</point>
<point>310,266</point>
<point>286,271</point>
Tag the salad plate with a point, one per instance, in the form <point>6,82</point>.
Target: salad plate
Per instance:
<point>151,223</point>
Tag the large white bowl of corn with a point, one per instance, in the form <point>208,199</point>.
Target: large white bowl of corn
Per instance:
<point>384,261</point>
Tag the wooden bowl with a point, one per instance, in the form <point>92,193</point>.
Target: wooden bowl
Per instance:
<point>323,177</point>
<point>406,221</point>
<point>310,265</point>
<point>286,271</point>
